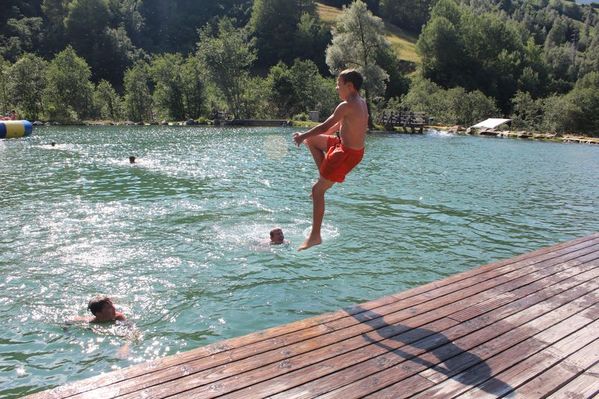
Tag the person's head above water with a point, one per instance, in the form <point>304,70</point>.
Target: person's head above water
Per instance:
<point>131,159</point>
<point>103,309</point>
<point>277,236</point>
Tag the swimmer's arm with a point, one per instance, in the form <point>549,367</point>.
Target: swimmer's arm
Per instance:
<point>79,319</point>
<point>331,123</point>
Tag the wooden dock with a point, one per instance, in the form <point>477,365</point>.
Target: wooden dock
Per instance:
<point>525,327</point>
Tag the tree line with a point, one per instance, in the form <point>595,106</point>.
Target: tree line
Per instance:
<point>535,61</point>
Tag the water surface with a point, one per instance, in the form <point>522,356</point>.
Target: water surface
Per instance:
<point>176,239</point>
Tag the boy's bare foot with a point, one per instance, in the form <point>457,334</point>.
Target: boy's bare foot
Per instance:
<point>310,242</point>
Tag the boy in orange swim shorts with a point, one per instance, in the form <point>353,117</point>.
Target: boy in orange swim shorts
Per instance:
<point>334,156</point>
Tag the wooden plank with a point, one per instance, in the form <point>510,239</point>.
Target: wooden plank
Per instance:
<point>493,275</point>
<point>546,370</point>
<point>304,375</point>
<point>522,361</point>
<point>360,370</point>
<point>465,346</point>
<point>229,375</point>
<point>585,385</point>
<point>358,316</point>
<point>556,369</point>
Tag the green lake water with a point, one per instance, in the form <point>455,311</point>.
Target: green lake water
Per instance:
<point>177,239</point>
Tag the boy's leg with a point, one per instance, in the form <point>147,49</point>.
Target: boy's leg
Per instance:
<point>318,191</point>
<point>318,147</point>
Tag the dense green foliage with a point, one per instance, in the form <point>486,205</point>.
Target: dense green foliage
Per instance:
<point>147,60</point>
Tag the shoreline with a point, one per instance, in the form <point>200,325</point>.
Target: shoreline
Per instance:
<point>511,134</point>
<point>459,130</point>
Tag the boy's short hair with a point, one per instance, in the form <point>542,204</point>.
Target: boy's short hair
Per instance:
<point>352,76</point>
<point>96,304</point>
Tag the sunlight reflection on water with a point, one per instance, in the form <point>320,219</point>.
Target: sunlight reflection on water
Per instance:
<point>180,238</point>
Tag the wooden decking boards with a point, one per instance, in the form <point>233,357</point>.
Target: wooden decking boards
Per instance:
<point>525,327</point>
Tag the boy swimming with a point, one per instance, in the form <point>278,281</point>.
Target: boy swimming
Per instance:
<point>103,310</point>
<point>336,156</point>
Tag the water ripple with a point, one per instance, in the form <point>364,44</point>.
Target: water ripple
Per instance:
<point>180,238</point>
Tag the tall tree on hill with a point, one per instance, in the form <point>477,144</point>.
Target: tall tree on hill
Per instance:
<point>4,81</point>
<point>407,14</point>
<point>69,92</point>
<point>227,55</point>
<point>138,98</point>
<point>90,30</point>
<point>477,52</point>
<point>357,39</point>
<point>166,72</point>
<point>27,81</point>
<point>274,25</point>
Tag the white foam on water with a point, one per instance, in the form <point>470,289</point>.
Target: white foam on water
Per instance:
<point>439,133</point>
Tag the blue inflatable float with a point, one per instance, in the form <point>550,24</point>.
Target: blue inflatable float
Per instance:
<point>13,129</point>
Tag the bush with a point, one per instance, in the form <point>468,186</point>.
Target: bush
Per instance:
<point>453,106</point>
<point>301,117</point>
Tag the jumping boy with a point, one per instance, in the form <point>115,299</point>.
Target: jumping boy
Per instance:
<point>336,156</point>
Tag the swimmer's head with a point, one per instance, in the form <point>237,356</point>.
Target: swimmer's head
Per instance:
<point>102,308</point>
<point>276,236</point>
<point>53,144</point>
<point>131,159</point>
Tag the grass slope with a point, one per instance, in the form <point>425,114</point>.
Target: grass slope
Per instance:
<point>404,44</point>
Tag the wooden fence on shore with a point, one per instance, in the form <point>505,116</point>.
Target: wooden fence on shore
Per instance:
<point>415,121</point>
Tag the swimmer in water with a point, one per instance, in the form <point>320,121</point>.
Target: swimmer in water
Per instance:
<point>277,237</point>
<point>103,310</point>
<point>131,159</point>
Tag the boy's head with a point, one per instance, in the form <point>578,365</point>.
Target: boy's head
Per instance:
<point>276,236</point>
<point>102,308</point>
<point>349,77</point>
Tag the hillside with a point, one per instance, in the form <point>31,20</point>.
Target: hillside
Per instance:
<point>403,43</point>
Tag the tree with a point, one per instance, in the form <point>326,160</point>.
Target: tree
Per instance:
<point>4,79</point>
<point>274,25</point>
<point>357,38</point>
<point>107,102</point>
<point>311,40</point>
<point>474,51</point>
<point>451,106</point>
<point>27,83</point>
<point>107,48</point>
<point>138,98</point>
<point>193,87</point>
<point>299,88</point>
<point>69,92</point>
<point>408,14</point>
<point>166,72</point>
<point>227,55</point>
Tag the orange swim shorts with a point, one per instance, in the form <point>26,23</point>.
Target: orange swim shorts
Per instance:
<point>339,160</point>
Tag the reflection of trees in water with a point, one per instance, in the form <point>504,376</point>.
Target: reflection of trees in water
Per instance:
<point>455,363</point>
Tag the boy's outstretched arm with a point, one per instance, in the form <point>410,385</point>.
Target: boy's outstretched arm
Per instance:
<point>326,127</point>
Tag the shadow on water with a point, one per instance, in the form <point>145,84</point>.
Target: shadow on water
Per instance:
<point>454,362</point>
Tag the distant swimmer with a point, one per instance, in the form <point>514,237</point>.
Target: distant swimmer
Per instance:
<point>277,237</point>
<point>103,310</point>
<point>53,144</point>
<point>335,156</point>
<point>131,159</point>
